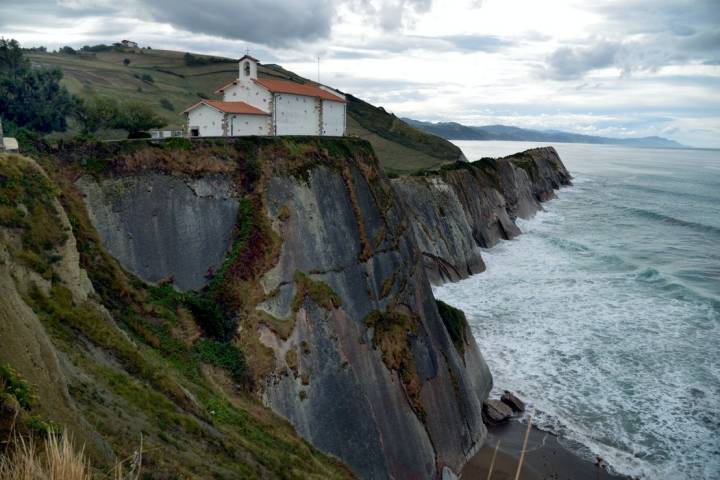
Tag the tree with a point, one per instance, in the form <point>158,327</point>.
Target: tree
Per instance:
<point>136,117</point>
<point>32,97</point>
<point>98,114</point>
<point>126,61</point>
<point>11,58</point>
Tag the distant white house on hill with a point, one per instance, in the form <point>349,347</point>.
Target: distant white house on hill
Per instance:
<point>262,106</point>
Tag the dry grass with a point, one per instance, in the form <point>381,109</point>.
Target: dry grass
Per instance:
<point>58,459</point>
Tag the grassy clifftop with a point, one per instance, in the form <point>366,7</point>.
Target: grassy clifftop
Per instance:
<point>163,80</point>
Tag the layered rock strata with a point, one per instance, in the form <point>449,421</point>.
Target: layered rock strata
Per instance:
<point>469,206</point>
<point>340,324</point>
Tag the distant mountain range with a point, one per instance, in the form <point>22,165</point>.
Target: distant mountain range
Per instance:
<point>457,131</point>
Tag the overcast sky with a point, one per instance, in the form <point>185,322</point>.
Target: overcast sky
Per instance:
<point>603,67</point>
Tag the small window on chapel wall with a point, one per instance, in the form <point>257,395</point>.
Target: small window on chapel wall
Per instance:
<point>247,69</point>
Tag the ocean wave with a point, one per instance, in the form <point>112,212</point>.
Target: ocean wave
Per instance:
<point>574,438</point>
<point>669,220</point>
<point>609,351</point>
<point>709,199</point>
<point>607,322</point>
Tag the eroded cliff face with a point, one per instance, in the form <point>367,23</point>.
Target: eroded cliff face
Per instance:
<point>467,206</point>
<point>91,350</point>
<point>333,306</point>
<point>326,274</point>
<point>373,377</point>
<point>160,226</point>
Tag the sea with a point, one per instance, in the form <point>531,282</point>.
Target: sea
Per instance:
<point>605,314</point>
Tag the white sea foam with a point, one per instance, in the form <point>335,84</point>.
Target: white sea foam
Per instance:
<point>586,316</point>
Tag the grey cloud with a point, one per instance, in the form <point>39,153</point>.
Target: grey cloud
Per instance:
<point>708,41</point>
<point>275,23</point>
<point>659,16</point>
<point>650,34</point>
<point>574,62</point>
<point>352,54</point>
<point>269,22</point>
<point>650,53</point>
<point>391,15</point>
<point>14,13</point>
<point>396,44</point>
<point>478,43</point>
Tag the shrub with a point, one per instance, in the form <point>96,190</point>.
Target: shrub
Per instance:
<point>16,386</point>
<point>147,78</point>
<point>97,48</point>
<point>167,105</point>
<point>210,317</point>
<point>223,355</point>
<point>138,117</point>
<point>193,60</point>
<point>97,114</point>
<point>126,61</point>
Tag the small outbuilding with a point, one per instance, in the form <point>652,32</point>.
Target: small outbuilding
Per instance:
<point>214,118</point>
<point>10,145</point>
<point>7,144</point>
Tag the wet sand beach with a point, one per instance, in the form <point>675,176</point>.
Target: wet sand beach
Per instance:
<point>545,458</point>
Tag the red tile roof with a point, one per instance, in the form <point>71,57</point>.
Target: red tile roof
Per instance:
<point>223,87</point>
<point>231,107</point>
<point>305,89</point>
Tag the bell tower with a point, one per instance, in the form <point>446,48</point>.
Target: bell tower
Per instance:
<point>248,68</point>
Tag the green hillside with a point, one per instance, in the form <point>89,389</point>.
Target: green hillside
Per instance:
<point>164,80</point>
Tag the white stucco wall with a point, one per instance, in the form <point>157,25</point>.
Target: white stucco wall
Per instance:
<point>250,93</point>
<point>333,118</point>
<point>207,119</point>
<point>248,125</point>
<point>296,115</point>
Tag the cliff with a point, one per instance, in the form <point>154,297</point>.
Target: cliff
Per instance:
<point>468,206</point>
<point>192,280</point>
<point>89,349</point>
<point>323,284</point>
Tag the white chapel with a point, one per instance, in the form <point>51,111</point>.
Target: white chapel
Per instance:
<point>263,106</point>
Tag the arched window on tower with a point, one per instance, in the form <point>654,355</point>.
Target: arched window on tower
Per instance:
<point>247,69</point>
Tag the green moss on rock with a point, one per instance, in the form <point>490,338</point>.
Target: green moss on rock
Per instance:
<point>392,332</point>
<point>27,203</point>
<point>456,325</point>
<point>317,291</point>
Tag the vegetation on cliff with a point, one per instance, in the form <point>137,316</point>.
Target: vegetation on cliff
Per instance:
<point>392,332</point>
<point>456,325</point>
<point>136,358</point>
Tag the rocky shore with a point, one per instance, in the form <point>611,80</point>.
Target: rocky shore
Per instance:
<point>468,206</point>
<point>546,458</point>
